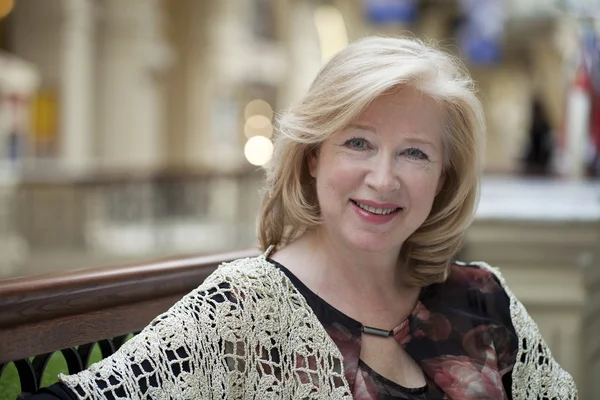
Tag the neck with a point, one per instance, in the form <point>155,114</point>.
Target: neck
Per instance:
<point>368,271</point>
<point>366,286</point>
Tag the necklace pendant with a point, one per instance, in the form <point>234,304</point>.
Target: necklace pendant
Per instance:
<point>376,331</point>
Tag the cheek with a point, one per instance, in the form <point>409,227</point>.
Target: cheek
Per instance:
<point>423,185</point>
<point>336,181</point>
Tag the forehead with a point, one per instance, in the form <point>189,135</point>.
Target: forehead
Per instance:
<point>405,111</point>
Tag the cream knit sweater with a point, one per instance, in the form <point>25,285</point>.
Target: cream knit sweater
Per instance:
<point>247,333</point>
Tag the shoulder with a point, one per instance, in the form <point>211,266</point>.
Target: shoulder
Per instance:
<point>469,279</point>
<point>536,373</point>
<point>233,291</point>
<point>476,293</point>
<point>476,290</point>
<point>478,276</point>
<point>253,282</point>
<point>243,273</point>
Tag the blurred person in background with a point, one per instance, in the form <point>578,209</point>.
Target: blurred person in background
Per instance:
<point>372,186</point>
<point>538,154</point>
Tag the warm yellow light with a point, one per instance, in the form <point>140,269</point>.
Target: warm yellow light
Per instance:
<point>249,131</point>
<point>258,125</point>
<point>258,107</point>
<point>6,7</point>
<point>258,121</point>
<point>331,30</point>
<point>258,150</point>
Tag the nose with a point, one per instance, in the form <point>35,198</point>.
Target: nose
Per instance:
<point>382,176</point>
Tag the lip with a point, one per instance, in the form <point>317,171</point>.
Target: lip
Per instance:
<point>377,205</point>
<point>375,219</point>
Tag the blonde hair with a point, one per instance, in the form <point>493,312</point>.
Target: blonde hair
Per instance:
<point>342,90</point>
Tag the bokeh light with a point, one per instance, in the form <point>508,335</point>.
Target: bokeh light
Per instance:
<point>258,107</point>
<point>6,7</point>
<point>258,150</point>
<point>258,125</point>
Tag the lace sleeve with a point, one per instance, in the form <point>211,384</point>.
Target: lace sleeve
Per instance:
<point>244,333</point>
<point>536,375</point>
<point>181,354</point>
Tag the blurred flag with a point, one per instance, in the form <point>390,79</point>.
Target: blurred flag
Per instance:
<point>580,141</point>
<point>574,144</point>
<point>391,11</point>
<point>481,33</point>
<point>591,57</point>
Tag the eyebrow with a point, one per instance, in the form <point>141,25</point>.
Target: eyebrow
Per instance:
<point>363,127</point>
<point>414,140</point>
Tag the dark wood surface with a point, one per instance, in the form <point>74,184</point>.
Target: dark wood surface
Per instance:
<point>50,312</point>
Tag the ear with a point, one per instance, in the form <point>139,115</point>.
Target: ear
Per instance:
<point>313,161</point>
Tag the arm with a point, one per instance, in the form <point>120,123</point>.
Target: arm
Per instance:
<point>180,354</point>
<point>536,375</point>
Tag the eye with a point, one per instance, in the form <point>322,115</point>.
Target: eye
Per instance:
<point>416,154</point>
<point>357,143</point>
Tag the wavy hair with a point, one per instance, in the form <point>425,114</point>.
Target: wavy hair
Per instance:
<point>341,91</point>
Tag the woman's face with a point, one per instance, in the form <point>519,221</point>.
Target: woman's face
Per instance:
<point>377,179</point>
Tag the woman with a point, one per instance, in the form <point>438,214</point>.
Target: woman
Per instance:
<point>373,183</point>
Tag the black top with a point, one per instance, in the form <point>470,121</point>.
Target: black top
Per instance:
<point>346,332</point>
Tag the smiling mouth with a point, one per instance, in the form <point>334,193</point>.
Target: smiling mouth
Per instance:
<point>374,210</point>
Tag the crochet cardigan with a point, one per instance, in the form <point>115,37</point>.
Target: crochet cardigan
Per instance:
<point>247,333</point>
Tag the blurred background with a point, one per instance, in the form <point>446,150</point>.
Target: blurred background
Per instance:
<point>135,129</point>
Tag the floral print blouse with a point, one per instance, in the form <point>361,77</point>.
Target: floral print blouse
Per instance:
<point>460,333</point>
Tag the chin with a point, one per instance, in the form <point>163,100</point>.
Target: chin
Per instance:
<point>373,244</point>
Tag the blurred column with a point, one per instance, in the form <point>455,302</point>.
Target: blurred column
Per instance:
<point>133,57</point>
<point>180,17</point>
<point>194,82</point>
<point>230,68</point>
<point>216,71</point>
<point>36,30</point>
<point>222,59</point>
<point>77,84</point>
<point>304,51</point>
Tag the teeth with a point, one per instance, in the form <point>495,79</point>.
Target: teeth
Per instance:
<point>380,211</point>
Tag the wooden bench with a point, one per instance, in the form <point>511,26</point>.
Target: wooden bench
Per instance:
<point>72,311</point>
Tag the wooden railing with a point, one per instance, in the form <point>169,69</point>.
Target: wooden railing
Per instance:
<point>72,311</point>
